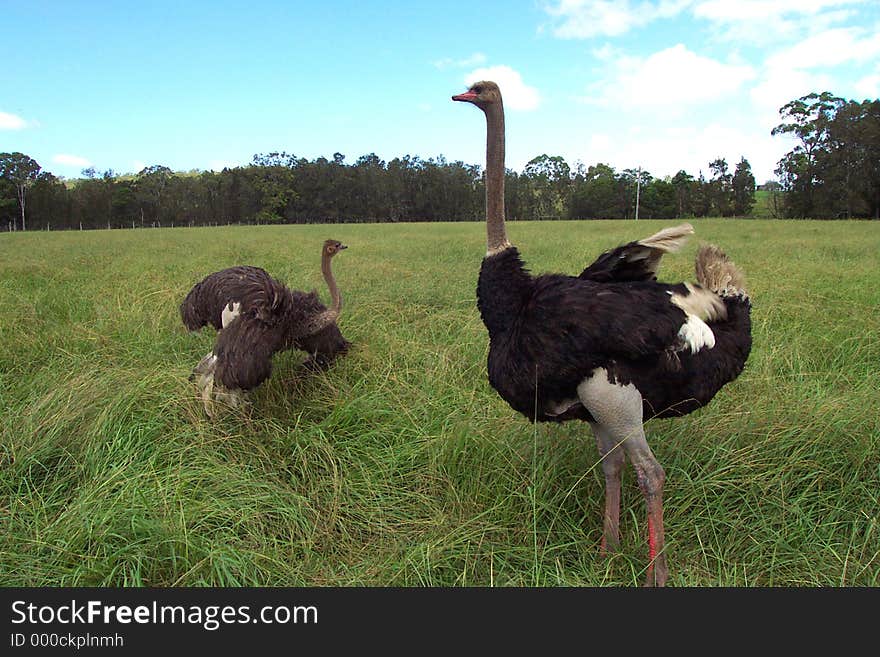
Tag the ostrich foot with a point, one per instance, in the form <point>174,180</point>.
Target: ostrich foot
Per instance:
<point>609,545</point>
<point>657,572</point>
<point>203,369</point>
<point>235,399</point>
<point>209,391</point>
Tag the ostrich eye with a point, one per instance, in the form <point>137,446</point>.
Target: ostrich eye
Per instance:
<point>478,90</point>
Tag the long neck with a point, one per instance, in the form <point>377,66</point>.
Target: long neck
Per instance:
<point>323,319</point>
<point>335,297</point>
<point>496,236</point>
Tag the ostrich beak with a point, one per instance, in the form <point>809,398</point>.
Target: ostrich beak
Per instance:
<point>343,246</point>
<point>467,96</point>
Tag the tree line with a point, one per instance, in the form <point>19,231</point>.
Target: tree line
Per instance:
<point>830,173</point>
<point>282,188</point>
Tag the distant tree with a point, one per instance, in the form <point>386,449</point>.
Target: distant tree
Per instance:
<point>21,171</point>
<point>849,166</point>
<point>808,119</point>
<point>702,199</point>
<point>371,188</point>
<point>93,201</point>
<point>150,187</point>
<point>598,194</point>
<point>8,203</point>
<point>683,183</point>
<point>274,179</point>
<point>633,181</point>
<point>275,159</point>
<point>550,180</point>
<point>49,202</point>
<point>743,185</point>
<point>721,188</point>
<point>657,200</point>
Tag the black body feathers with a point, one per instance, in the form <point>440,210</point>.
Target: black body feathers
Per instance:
<point>548,333</point>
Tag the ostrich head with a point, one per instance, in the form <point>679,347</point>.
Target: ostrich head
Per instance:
<point>332,247</point>
<point>482,94</point>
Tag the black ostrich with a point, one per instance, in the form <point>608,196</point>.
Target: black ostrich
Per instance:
<point>612,346</point>
<point>257,316</point>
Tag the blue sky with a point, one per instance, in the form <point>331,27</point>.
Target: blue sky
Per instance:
<point>664,85</point>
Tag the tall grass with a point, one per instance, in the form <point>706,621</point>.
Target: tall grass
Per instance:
<point>400,465</point>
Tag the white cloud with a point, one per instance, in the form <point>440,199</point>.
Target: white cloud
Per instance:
<point>649,147</point>
<point>584,19</point>
<point>752,21</point>
<point>795,71</point>
<point>869,86</point>
<point>767,21</point>
<point>11,122</point>
<point>71,160</point>
<point>476,59</point>
<point>673,80</point>
<point>748,10</point>
<point>607,53</point>
<point>829,48</point>
<point>516,93</point>
<point>778,86</point>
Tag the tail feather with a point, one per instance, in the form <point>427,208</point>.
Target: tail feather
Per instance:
<point>718,273</point>
<point>637,261</point>
<point>669,240</point>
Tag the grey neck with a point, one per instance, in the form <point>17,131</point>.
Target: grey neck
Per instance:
<point>496,236</point>
<point>335,297</point>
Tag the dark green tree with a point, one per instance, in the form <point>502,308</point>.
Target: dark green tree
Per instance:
<point>808,120</point>
<point>743,186</point>
<point>657,200</point>
<point>720,189</point>
<point>850,164</point>
<point>683,183</point>
<point>702,198</point>
<point>21,171</point>
<point>49,204</point>
<point>599,195</point>
<point>550,180</point>
<point>151,185</point>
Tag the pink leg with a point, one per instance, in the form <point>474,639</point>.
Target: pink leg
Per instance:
<point>613,458</point>
<point>651,477</point>
<point>611,535</point>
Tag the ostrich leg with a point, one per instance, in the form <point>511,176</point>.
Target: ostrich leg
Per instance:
<point>613,458</point>
<point>617,409</point>
<point>650,476</point>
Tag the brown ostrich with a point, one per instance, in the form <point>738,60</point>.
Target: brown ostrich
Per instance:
<point>612,347</point>
<point>256,316</point>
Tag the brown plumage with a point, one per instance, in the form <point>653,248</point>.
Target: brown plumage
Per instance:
<point>612,346</point>
<point>257,316</point>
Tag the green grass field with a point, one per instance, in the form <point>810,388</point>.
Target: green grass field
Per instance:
<point>400,465</point>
